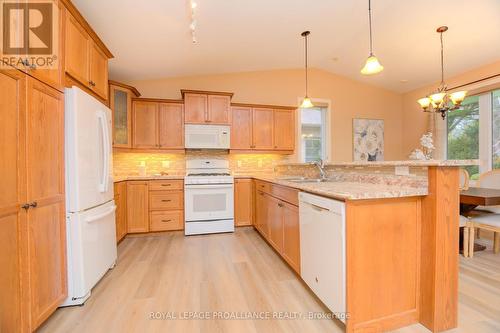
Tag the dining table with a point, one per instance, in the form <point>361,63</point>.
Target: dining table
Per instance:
<point>473,197</point>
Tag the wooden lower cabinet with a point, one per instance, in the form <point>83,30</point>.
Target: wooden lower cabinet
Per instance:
<point>137,206</point>
<point>261,216</point>
<point>243,202</point>
<point>121,210</point>
<point>155,205</point>
<point>166,220</point>
<point>277,220</point>
<point>291,236</point>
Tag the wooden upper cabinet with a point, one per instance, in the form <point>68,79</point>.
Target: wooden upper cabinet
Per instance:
<point>137,206</point>
<point>284,129</point>
<point>209,108</point>
<point>196,108</point>
<point>53,76</point>
<point>86,57</point>
<point>120,103</point>
<point>98,77</point>
<point>263,128</point>
<point>218,109</point>
<point>243,202</point>
<point>241,128</point>
<point>171,126</point>
<point>12,197</point>
<point>291,236</point>
<point>77,50</point>
<point>145,124</point>
<point>45,191</point>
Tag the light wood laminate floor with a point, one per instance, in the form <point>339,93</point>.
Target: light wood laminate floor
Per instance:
<point>172,274</point>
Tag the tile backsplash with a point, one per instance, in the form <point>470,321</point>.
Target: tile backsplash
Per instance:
<point>127,164</point>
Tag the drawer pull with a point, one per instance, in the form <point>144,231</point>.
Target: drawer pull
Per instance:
<point>166,200</point>
<point>166,184</point>
<point>166,220</point>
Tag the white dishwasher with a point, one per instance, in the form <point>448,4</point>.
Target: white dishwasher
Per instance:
<point>322,249</point>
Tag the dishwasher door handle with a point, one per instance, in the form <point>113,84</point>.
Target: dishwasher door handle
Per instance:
<point>316,207</point>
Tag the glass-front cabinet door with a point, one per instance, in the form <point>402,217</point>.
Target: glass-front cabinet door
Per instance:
<point>121,107</point>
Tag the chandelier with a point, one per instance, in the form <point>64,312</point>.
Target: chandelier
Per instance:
<point>440,101</point>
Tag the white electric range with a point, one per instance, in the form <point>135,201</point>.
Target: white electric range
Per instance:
<point>208,197</point>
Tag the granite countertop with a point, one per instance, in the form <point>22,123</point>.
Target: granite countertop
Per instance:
<point>350,190</point>
<point>417,163</point>
<point>118,179</point>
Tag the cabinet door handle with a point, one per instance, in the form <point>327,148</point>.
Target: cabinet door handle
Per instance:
<point>280,205</point>
<point>166,200</point>
<point>34,204</point>
<point>166,220</point>
<point>166,184</point>
<point>26,206</point>
<point>92,83</point>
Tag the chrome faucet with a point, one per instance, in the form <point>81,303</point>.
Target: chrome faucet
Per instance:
<point>320,164</point>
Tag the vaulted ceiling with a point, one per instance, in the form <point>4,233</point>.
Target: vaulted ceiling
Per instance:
<point>151,39</point>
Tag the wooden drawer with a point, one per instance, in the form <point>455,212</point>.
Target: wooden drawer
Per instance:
<point>171,200</point>
<point>287,194</point>
<point>166,220</point>
<point>263,186</point>
<point>166,185</point>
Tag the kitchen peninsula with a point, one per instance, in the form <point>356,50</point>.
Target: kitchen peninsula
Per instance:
<point>401,227</point>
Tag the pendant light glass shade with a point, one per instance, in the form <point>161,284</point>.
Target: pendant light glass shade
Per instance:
<point>306,103</point>
<point>372,66</point>
<point>458,97</point>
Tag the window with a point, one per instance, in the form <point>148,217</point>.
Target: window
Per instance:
<point>496,129</point>
<point>463,133</point>
<point>313,134</point>
<point>474,132</point>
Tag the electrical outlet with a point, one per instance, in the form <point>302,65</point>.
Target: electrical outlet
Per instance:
<point>402,171</point>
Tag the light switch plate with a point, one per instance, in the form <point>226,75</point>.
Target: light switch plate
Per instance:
<point>402,170</point>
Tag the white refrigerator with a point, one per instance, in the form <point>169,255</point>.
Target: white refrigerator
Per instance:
<point>90,209</point>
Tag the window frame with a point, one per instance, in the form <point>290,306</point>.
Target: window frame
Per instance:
<point>485,131</point>
<point>326,148</point>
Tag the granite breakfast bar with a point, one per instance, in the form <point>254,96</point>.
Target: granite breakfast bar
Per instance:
<point>402,238</point>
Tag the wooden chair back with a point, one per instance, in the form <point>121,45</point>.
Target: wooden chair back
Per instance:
<point>464,179</point>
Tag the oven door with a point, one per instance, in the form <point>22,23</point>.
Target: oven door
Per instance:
<point>208,202</point>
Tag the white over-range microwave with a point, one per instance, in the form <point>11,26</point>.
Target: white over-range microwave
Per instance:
<point>207,136</point>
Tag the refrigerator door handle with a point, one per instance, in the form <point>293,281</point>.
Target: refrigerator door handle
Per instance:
<point>100,216</point>
<point>104,183</point>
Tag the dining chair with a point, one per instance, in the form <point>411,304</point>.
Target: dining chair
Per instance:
<point>463,220</point>
<point>491,219</point>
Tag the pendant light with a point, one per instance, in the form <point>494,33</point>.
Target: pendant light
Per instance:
<point>306,102</point>
<point>372,65</point>
<point>441,101</point>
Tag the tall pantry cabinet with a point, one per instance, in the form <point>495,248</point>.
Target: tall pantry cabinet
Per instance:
<point>32,210</point>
